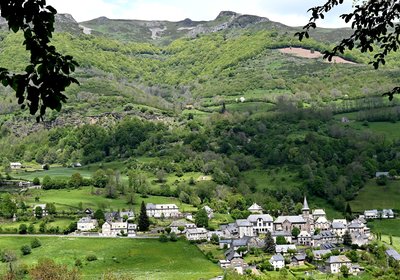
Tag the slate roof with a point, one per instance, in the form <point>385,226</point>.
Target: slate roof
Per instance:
<point>277,258</point>
<point>319,212</point>
<point>321,220</point>
<point>281,233</point>
<point>285,248</point>
<point>265,217</point>
<point>393,253</point>
<point>338,225</point>
<point>255,207</point>
<point>299,257</point>
<point>338,259</point>
<point>240,242</point>
<point>243,223</point>
<point>291,219</point>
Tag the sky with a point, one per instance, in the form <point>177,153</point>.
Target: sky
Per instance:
<point>289,12</point>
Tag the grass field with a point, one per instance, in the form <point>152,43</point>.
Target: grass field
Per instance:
<point>373,196</point>
<point>386,226</point>
<point>143,259</point>
<point>68,199</point>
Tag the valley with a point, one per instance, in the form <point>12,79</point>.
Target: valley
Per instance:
<point>226,114</point>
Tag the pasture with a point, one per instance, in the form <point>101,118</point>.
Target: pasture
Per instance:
<point>141,258</point>
<point>373,196</point>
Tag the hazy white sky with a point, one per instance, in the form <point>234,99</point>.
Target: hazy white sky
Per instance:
<point>289,12</point>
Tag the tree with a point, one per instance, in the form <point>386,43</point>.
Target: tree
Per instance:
<point>295,232</point>
<point>51,208</point>
<point>49,269</point>
<point>99,178</point>
<point>201,219</point>
<point>347,240</point>
<point>163,238</point>
<point>76,180</point>
<point>144,222</point>
<point>47,75</point>
<point>173,237</point>
<point>99,215</point>
<point>23,229</point>
<point>375,25</point>
<point>36,181</point>
<point>38,212</point>
<point>281,240</point>
<point>26,249</point>
<point>35,243</point>
<point>269,246</point>
<point>9,257</point>
<point>344,270</point>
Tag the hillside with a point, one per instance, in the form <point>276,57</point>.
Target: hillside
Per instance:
<point>222,99</point>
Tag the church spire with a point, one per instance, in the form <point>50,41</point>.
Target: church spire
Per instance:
<point>305,204</point>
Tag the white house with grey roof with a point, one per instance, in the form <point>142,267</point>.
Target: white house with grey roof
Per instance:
<point>283,249</point>
<point>322,223</point>
<point>339,227</point>
<point>196,234</point>
<point>87,224</point>
<point>277,261</point>
<point>317,213</point>
<point>162,210</point>
<point>371,214</point>
<point>245,228</point>
<point>336,262</point>
<point>261,223</point>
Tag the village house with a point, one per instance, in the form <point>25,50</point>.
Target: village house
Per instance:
<point>325,236</point>
<point>284,249</point>
<point>381,174</point>
<point>277,261</point>
<point>287,235</point>
<point>87,224</point>
<point>336,262</point>
<point>175,225</point>
<point>304,238</point>
<point>255,209</point>
<point>322,223</point>
<point>15,165</point>
<point>238,265</point>
<point>339,227</point>
<point>298,259</point>
<point>245,228</point>
<point>129,215</point>
<point>162,210</point>
<point>209,211</point>
<point>371,214</point>
<point>229,230</point>
<point>196,234</point>
<point>387,214</point>
<point>319,254</point>
<point>112,229</point>
<point>44,210</point>
<point>261,223</point>
<point>317,213</point>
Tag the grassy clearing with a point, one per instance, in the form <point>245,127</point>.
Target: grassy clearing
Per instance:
<point>68,199</point>
<point>373,196</point>
<point>145,259</point>
<point>272,178</point>
<point>387,226</point>
<point>395,239</point>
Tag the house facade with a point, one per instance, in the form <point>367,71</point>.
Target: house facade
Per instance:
<point>196,234</point>
<point>162,210</point>
<point>336,262</point>
<point>261,223</point>
<point>277,261</point>
<point>87,224</point>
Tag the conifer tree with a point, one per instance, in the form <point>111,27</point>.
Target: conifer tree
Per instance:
<point>269,246</point>
<point>347,240</point>
<point>144,222</point>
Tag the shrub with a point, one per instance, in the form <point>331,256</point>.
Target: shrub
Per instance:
<point>36,181</point>
<point>35,243</point>
<point>163,238</point>
<point>26,250</point>
<point>78,263</point>
<point>23,229</point>
<point>91,258</point>
<point>173,237</point>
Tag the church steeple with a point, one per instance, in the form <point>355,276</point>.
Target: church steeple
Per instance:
<point>305,210</point>
<point>305,205</point>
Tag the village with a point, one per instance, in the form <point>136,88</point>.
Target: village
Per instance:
<point>291,240</point>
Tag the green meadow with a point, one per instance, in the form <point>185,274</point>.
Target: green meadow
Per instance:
<point>141,258</point>
<point>86,197</point>
<point>373,196</point>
